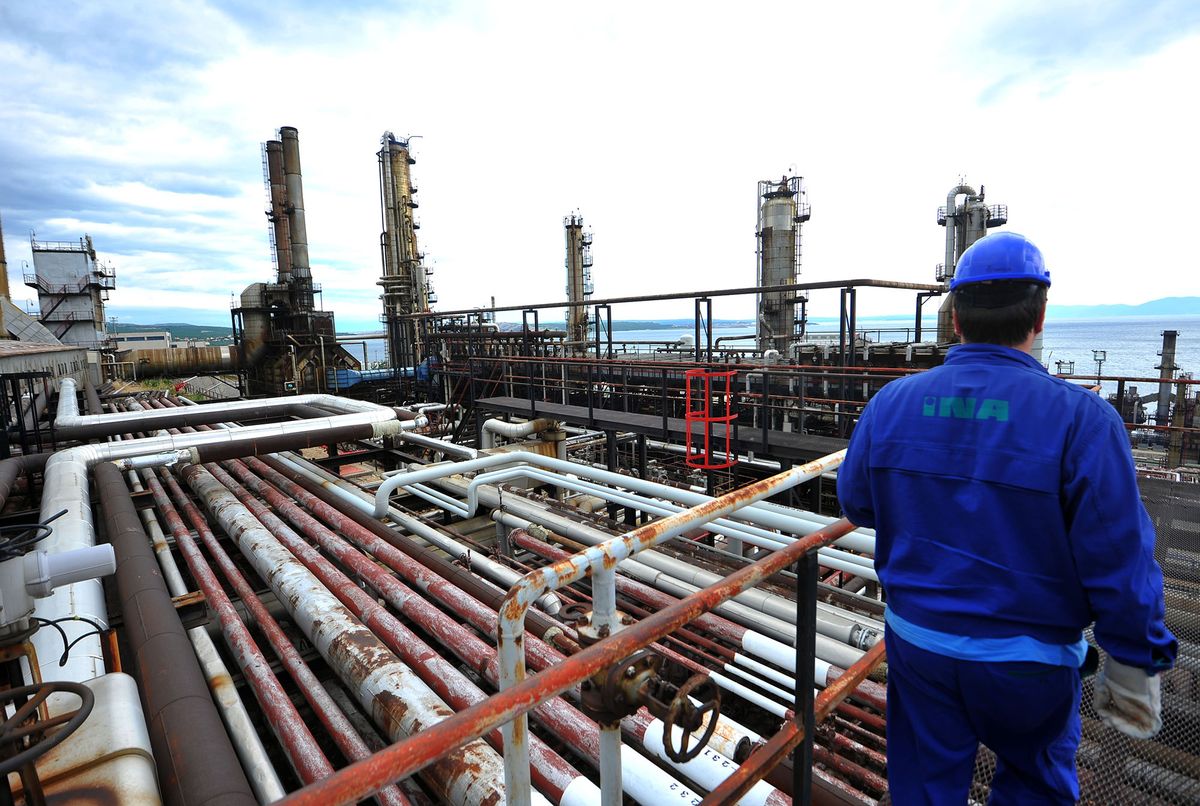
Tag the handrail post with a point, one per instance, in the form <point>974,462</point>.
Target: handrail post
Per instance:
<point>806,651</point>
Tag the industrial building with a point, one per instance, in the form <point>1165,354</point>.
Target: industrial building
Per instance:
<point>518,565</point>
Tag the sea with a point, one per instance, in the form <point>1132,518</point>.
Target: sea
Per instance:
<point>1131,344</point>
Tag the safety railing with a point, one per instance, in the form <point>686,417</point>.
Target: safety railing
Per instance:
<point>519,694</point>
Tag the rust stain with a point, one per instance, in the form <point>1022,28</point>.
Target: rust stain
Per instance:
<point>434,743</point>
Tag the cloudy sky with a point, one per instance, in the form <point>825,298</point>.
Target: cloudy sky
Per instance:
<point>140,124</point>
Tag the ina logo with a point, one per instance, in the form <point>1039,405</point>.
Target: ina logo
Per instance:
<point>964,408</point>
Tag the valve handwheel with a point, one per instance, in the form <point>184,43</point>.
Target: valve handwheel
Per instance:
<point>23,738</point>
<point>688,717</point>
<point>573,611</point>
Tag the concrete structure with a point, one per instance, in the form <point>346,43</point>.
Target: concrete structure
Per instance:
<point>60,360</point>
<point>143,340</point>
<point>72,288</point>
<point>782,208</point>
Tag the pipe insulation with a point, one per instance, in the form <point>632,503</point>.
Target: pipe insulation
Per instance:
<point>328,713</point>
<point>246,742</point>
<point>555,774</point>
<point>70,424</point>
<point>66,488</point>
<point>644,783</point>
<point>175,694</point>
<point>398,701</point>
<point>481,563</point>
<point>508,430</point>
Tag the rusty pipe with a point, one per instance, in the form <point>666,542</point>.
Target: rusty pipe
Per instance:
<point>443,581</point>
<point>397,699</point>
<point>247,743</point>
<point>742,637</point>
<point>601,561</point>
<point>407,757</point>
<point>332,717</point>
<point>554,774</point>
<point>329,506</point>
<point>174,693</point>
<point>15,466</point>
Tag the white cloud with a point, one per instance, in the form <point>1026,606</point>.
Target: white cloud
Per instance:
<point>653,120</point>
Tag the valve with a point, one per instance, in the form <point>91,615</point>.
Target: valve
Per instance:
<point>690,717</point>
<point>636,682</point>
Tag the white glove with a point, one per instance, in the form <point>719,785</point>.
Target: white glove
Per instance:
<point>1129,700</point>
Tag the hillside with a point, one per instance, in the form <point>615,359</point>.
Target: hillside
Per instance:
<point>1167,306</point>
<point>179,330</point>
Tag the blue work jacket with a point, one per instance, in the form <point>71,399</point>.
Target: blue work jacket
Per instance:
<point>1005,504</point>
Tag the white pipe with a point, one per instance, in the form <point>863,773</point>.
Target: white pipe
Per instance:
<point>760,684</point>
<point>512,430</point>
<point>842,628</point>
<point>771,516</point>
<point>708,769</point>
<point>763,670</point>
<point>775,650</point>
<point>68,415</point>
<point>446,447</point>
<point>484,565</point>
<point>861,566</point>
<point>951,207</point>
<point>67,488</point>
<point>748,694</point>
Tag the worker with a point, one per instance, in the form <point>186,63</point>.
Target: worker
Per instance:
<point>1007,520</point>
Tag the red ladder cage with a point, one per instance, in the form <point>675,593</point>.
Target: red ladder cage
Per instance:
<point>703,388</point>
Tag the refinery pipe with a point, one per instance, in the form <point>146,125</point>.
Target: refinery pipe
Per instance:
<point>204,769</point>
<point>67,488</point>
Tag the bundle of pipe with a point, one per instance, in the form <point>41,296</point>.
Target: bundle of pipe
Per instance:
<point>779,710</point>
<point>753,680</point>
<point>287,497</point>
<point>568,725</point>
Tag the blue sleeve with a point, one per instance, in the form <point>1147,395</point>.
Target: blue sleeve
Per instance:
<point>1112,541</point>
<point>854,476</point>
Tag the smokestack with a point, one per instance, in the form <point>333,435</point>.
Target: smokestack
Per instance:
<point>295,208</point>
<point>279,215</point>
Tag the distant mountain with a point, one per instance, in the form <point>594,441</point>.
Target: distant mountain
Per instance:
<point>179,330</point>
<point>1167,306</point>
<point>639,324</point>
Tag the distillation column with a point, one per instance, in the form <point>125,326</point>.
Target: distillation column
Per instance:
<point>405,287</point>
<point>579,281</point>
<point>965,224</point>
<point>1166,370</point>
<point>781,210</point>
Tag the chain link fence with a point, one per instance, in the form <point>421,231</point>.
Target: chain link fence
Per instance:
<point>1164,771</point>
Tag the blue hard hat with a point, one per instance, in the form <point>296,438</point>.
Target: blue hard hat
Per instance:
<point>1003,256</point>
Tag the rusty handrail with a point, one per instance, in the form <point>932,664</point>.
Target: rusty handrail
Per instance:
<point>404,758</point>
<point>767,756</point>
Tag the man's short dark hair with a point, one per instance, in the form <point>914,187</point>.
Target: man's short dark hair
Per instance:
<point>998,313</point>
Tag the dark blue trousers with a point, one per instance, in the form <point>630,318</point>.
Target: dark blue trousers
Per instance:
<point>940,709</point>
